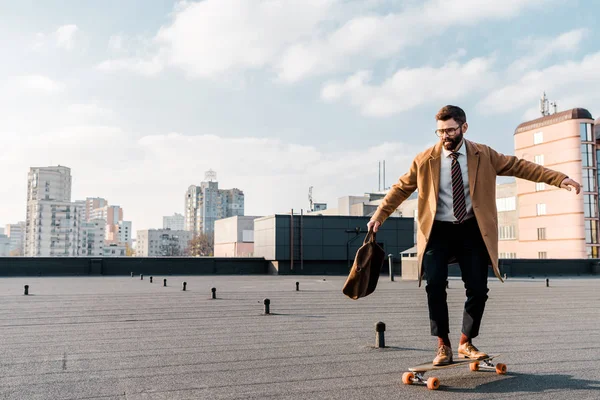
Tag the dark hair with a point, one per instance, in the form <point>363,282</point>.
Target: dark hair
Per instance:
<point>451,112</point>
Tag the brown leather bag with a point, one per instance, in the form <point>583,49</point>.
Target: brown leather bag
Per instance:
<point>366,268</point>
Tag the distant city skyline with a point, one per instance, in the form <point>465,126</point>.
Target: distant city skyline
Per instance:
<point>139,111</point>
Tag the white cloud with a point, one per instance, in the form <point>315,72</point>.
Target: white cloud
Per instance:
<point>409,88</point>
<point>147,67</point>
<point>572,84</point>
<point>148,175</point>
<point>207,40</point>
<point>115,43</point>
<point>539,49</point>
<point>39,83</point>
<point>65,36</point>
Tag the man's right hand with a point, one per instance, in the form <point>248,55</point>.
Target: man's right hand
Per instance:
<point>373,224</point>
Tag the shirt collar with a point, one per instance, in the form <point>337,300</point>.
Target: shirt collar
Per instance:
<point>461,149</point>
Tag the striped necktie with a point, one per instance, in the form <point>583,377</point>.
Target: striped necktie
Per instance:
<point>458,190</point>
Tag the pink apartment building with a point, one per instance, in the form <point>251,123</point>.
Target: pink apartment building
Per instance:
<point>551,222</point>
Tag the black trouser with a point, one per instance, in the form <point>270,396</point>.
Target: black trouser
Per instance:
<point>464,242</point>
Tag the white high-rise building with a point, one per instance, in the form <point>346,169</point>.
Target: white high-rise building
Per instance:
<point>124,232</point>
<point>175,222</point>
<point>91,242</point>
<point>49,183</point>
<point>52,228</point>
<point>162,243</point>
<point>207,203</point>
<point>16,234</point>
<point>51,221</point>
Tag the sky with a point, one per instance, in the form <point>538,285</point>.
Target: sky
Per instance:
<point>141,97</point>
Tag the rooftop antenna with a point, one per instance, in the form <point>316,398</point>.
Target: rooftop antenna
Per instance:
<point>544,108</point>
<point>379,184</point>
<point>210,176</point>
<point>310,198</point>
<point>384,175</point>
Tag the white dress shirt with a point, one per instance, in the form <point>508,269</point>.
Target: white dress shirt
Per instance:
<point>445,204</point>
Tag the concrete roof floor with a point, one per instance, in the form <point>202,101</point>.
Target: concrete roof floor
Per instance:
<point>127,338</point>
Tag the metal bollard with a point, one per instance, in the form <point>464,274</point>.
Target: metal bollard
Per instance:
<point>547,282</point>
<point>26,290</point>
<point>132,274</point>
<point>184,286</point>
<point>267,303</point>
<point>390,258</point>
<point>214,293</point>
<point>297,286</point>
<point>164,282</point>
<point>379,336</point>
<point>141,277</point>
<point>150,279</point>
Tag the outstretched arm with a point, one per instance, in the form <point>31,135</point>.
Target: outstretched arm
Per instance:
<point>513,166</point>
<point>399,192</point>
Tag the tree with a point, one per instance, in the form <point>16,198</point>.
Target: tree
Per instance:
<point>129,252</point>
<point>16,253</point>
<point>201,245</point>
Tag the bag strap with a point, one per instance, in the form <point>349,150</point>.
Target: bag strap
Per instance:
<point>370,236</point>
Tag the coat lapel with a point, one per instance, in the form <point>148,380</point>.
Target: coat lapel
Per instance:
<point>472,165</point>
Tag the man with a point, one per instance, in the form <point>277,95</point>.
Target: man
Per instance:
<point>457,219</point>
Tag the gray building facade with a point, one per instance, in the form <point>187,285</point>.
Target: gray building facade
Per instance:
<point>324,244</point>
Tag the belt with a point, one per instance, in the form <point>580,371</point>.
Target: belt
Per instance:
<point>456,222</point>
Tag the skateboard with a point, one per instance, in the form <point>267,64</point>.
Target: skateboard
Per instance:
<point>416,374</point>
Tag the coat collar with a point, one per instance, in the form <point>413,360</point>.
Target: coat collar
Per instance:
<point>472,164</point>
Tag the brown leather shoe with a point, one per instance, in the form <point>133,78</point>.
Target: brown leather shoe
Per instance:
<point>467,350</point>
<point>444,356</point>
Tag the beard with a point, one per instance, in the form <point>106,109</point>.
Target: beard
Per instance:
<point>451,143</point>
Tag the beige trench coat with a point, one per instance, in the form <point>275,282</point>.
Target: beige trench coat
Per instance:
<point>484,164</point>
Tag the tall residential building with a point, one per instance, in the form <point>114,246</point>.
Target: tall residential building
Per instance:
<point>124,233</point>
<point>49,204</point>
<point>174,222</point>
<point>207,203</point>
<point>16,234</point>
<point>92,238</point>
<point>52,228</point>
<point>162,243</point>
<point>92,203</point>
<point>49,183</point>
<point>555,223</point>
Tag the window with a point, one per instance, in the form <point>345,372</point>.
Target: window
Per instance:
<point>591,232</point>
<point>589,205</point>
<point>538,137</point>
<point>588,181</point>
<point>506,204</point>
<point>541,233</point>
<point>539,186</point>
<point>539,159</point>
<point>506,232</point>
<point>508,255</point>
<point>592,251</point>
<point>541,209</point>
<point>585,131</point>
<point>587,155</point>
<point>542,254</point>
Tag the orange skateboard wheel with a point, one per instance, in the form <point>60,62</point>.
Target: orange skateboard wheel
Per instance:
<point>474,366</point>
<point>407,378</point>
<point>500,369</point>
<point>433,383</point>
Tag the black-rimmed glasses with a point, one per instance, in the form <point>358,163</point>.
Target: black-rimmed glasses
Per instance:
<point>448,131</point>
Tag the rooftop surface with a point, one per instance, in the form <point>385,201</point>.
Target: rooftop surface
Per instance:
<point>126,338</point>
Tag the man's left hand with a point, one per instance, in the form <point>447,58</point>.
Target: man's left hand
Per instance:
<point>568,182</point>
